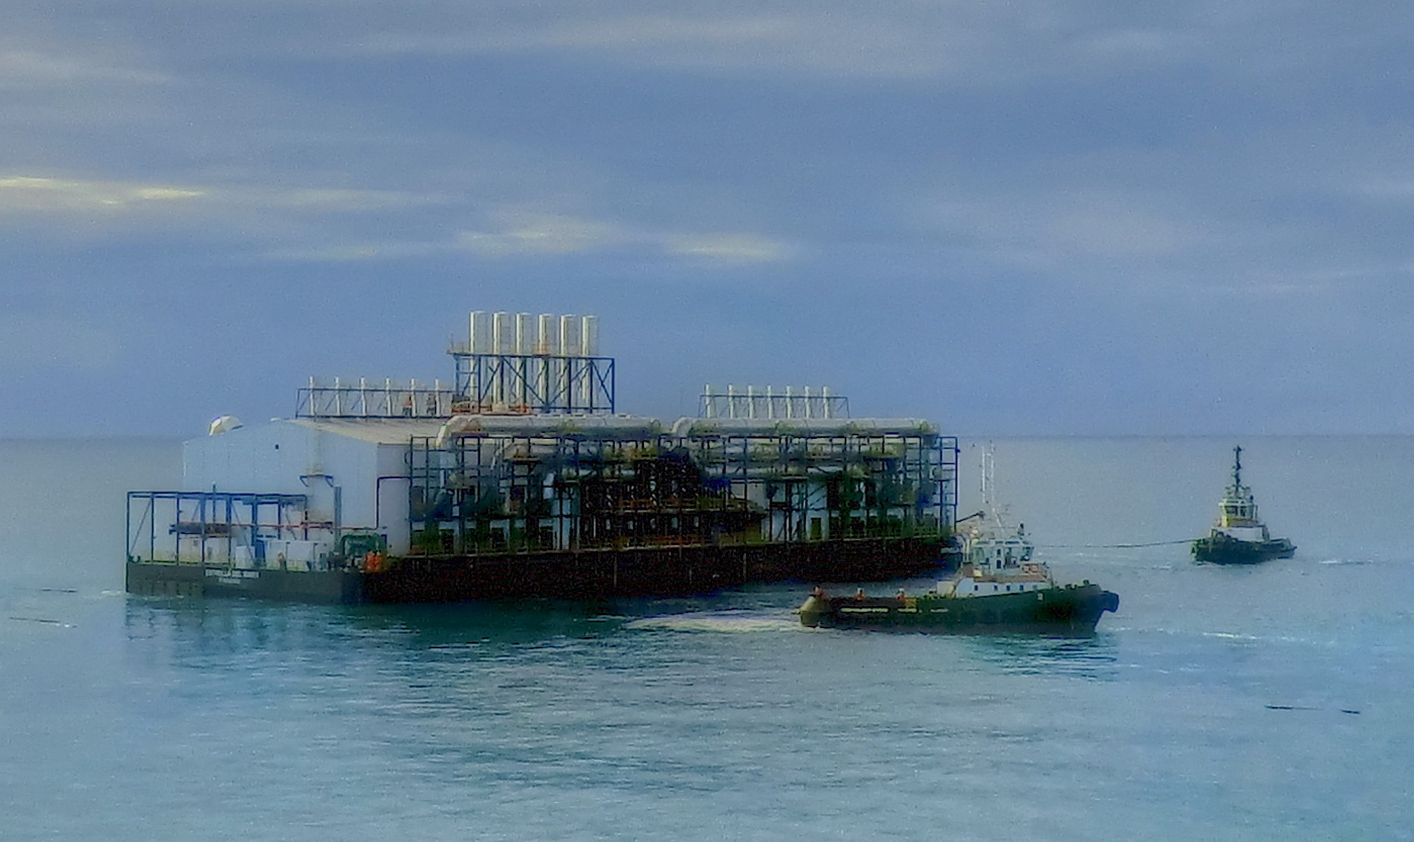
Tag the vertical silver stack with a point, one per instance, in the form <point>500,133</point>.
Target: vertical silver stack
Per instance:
<point>520,364</point>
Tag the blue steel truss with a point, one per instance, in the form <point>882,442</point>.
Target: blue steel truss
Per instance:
<point>208,517</point>
<point>533,383</point>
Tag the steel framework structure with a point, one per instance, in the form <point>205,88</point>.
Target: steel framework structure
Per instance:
<point>542,492</point>
<point>533,383</point>
<point>209,521</point>
<point>374,400</point>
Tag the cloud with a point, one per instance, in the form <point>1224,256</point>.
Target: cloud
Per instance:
<point>331,254</point>
<point>522,234</point>
<point>298,223</point>
<point>1146,45</point>
<point>970,43</point>
<point>540,233</point>
<point>28,194</point>
<point>1054,226</point>
<point>1115,228</point>
<point>1389,188</point>
<point>363,250</point>
<point>324,199</point>
<point>32,343</point>
<point>842,40</point>
<point>31,65</point>
<point>743,248</point>
<point>197,205</point>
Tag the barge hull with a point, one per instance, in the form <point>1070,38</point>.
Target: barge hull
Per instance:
<point>146,578</point>
<point>593,574</point>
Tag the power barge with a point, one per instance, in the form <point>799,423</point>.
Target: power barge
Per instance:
<point>519,479</point>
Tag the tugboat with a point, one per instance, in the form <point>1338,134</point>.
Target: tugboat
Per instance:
<point>1239,537</point>
<point>997,589</point>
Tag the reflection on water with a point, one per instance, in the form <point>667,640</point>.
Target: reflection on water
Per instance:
<point>522,622</point>
<point>237,625</point>
<point>232,625</point>
<point>1095,657</point>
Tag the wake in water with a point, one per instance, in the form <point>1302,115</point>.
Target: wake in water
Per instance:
<point>1307,707</point>
<point>724,622</point>
<point>44,620</point>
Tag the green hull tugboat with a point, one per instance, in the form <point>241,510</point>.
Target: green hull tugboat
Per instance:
<point>1239,537</point>
<point>1042,607</point>
<point>997,589</point>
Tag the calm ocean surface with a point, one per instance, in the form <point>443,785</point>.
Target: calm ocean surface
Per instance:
<point>1271,702</point>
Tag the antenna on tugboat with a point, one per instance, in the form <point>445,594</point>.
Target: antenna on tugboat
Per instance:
<point>988,479</point>
<point>1237,465</point>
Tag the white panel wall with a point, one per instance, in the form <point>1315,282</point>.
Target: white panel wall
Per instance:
<point>271,458</point>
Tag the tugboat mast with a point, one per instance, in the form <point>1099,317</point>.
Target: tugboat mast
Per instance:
<point>988,480</point>
<point>1237,466</point>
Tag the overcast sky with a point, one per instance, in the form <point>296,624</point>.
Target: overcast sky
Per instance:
<point>1031,217</point>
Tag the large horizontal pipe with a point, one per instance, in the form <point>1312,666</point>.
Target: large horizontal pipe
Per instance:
<point>588,426</point>
<point>700,427</point>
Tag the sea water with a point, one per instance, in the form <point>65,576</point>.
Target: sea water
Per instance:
<point>1265,702</point>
